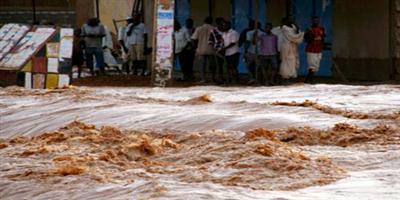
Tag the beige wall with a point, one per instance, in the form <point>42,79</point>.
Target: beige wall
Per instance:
<point>84,10</point>
<point>276,10</point>
<point>199,11</point>
<point>221,8</point>
<point>114,9</point>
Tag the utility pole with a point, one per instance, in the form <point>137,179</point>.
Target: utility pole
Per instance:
<point>210,7</point>
<point>34,12</point>
<point>136,7</point>
<point>97,9</point>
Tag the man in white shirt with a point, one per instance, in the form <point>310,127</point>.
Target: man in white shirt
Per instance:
<point>251,51</point>
<point>122,42</point>
<point>93,32</point>
<point>136,42</point>
<point>182,39</point>
<point>204,51</point>
<point>108,47</point>
<point>232,52</point>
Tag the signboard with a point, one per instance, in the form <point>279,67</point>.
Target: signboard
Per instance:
<point>66,43</point>
<point>26,48</point>
<point>10,35</point>
<point>163,52</point>
<point>20,50</point>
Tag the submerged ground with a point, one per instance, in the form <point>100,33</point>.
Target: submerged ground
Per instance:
<point>296,142</point>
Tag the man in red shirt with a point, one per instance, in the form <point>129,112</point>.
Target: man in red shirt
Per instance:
<point>314,38</point>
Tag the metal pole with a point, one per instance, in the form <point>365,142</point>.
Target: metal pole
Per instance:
<point>34,12</point>
<point>135,5</point>
<point>97,9</point>
<point>210,13</point>
<point>288,8</point>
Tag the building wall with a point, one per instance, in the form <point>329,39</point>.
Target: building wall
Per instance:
<point>361,39</point>
<point>40,4</point>
<point>85,9</point>
<point>114,9</point>
<point>60,12</point>
<point>199,11</point>
<point>276,10</point>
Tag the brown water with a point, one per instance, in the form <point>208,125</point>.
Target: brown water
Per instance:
<point>201,143</point>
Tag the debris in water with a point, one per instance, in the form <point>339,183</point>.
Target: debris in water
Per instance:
<point>336,111</point>
<point>107,154</point>
<point>341,134</point>
<point>3,145</point>
<point>199,100</point>
<point>70,170</point>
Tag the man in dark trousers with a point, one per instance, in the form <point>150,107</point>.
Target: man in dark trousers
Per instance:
<point>136,39</point>
<point>93,32</point>
<point>314,38</point>
<point>216,41</point>
<point>204,52</point>
<point>267,66</point>
<point>188,53</point>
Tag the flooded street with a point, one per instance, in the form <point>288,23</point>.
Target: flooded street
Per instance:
<point>296,142</point>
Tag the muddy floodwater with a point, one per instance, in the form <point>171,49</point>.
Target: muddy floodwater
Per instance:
<point>296,142</point>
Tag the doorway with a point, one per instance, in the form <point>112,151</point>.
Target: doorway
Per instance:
<point>303,10</point>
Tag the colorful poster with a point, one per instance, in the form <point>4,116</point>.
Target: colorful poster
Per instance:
<point>38,81</point>
<point>28,80</point>
<point>66,43</point>
<point>52,65</point>
<point>63,80</point>
<point>51,81</point>
<point>52,49</point>
<point>66,48</point>
<point>39,64</point>
<point>24,50</point>
<point>27,67</point>
<point>10,35</point>
<point>164,42</point>
<point>66,32</point>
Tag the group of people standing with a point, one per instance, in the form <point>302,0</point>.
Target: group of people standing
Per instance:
<point>271,54</point>
<point>213,48</point>
<point>133,38</point>
<point>94,42</point>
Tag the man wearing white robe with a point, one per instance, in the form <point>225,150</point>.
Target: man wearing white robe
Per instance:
<point>108,45</point>
<point>291,38</point>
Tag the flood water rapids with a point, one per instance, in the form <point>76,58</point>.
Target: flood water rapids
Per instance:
<point>213,118</point>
